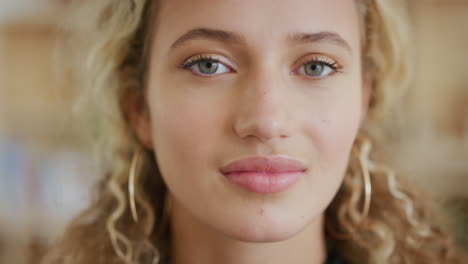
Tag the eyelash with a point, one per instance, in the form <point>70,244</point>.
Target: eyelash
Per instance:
<point>319,60</point>
<point>330,63</point>
<point>199,59</point>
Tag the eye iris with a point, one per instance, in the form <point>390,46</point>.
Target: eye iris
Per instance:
<point>208,67</point>
<point>314,69</point>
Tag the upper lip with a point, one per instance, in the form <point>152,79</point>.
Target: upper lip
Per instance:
<point>271,164</point>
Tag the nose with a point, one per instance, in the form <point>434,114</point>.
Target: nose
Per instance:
<point>262,109</point>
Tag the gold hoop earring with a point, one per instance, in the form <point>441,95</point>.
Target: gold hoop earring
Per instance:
<point>364,164</point>
<point>134,167</point>
<point>363,157</point>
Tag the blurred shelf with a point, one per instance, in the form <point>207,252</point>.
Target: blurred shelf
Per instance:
<point>40,100</point>
<point>31,11</point>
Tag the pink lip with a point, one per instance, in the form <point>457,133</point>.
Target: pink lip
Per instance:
<point>268,174</point>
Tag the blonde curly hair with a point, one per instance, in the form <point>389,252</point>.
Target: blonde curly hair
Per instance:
<point>397,230</point>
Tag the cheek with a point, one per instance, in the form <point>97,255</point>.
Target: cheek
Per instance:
<point>183,134</point>
<point>333,128</point>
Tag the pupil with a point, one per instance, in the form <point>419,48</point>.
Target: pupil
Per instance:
<point>208,67</point>
<point>314,69</point>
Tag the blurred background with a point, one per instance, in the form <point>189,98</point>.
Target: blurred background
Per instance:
<point>46,173</point>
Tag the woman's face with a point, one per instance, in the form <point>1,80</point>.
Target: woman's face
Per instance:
<point>234,79</point>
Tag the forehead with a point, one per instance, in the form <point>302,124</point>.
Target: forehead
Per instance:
<point>260,20</point>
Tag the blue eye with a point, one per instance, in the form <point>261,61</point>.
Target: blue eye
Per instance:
<point>315,69</point>
<point>206,66</point>
<point>318,68</point>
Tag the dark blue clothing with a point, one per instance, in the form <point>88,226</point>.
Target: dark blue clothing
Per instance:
<point>335,258</point>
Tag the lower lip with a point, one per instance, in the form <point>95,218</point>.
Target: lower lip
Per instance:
<point>264,182</point>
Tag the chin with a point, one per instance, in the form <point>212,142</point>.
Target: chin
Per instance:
<point>263,237</point>
<point>264,229</point>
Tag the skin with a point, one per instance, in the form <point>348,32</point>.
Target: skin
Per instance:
<point>261,103</point>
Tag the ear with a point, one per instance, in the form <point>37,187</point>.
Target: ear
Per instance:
<point>139,118</point>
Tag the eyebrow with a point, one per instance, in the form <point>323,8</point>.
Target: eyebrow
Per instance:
<point>206,33</point>
<point>323,36</point>
<point>236,38</point>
